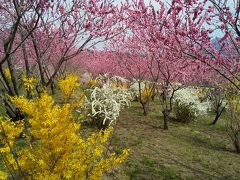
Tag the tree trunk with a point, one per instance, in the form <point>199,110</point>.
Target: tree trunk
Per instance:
<point>145,111</point>
<point>39,59</point>
<point>165,119</point>
<point>13,75</point>
<point>237,144</point>
<point>9,88</point>
<point>145,107</point>
<point>218,114</point>
<point>216,119</point>
<point>53,87</point>
<point>153,96</point>
<point>27,66</point>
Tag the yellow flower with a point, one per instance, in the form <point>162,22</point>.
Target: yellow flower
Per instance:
<point>122,157</point>
<point>3,175</point>
<point>7,73</point>
<point>147,92</point>
<point>29,82</point>
<point>93,83</point>
<point>68,86</point>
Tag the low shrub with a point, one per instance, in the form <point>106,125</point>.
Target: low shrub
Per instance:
<point>189,105</point>
<point>54,147</point>
<point>184,113</point>
<point>105,104</point>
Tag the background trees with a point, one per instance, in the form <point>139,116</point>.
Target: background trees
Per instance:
<point>41,37</point>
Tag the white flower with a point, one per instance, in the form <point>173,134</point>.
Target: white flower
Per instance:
<point>107,102</point>
<point>189,97</point>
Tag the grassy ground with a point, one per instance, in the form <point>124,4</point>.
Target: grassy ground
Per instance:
<point>186,151</point>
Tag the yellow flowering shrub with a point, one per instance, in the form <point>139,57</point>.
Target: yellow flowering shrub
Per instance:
<point>93,83</point>
<point>29,82</point>
<point>147,93</point>
<point>3,175</point>
<point>10,131</point>
<point>7,73</point>
<point>68,86</point>
<point>53,146</point>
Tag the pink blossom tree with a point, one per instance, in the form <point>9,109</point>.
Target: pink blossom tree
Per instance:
<point>132,59</point>
<point>151,36</point>
<point>43,36</point>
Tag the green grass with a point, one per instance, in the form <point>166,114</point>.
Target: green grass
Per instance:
<point>186,151</point>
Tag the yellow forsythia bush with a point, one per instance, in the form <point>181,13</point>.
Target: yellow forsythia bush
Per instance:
<point>68,85</point>
<point>48,144</point>
<point>29,83</point>
<point>147,93</point>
